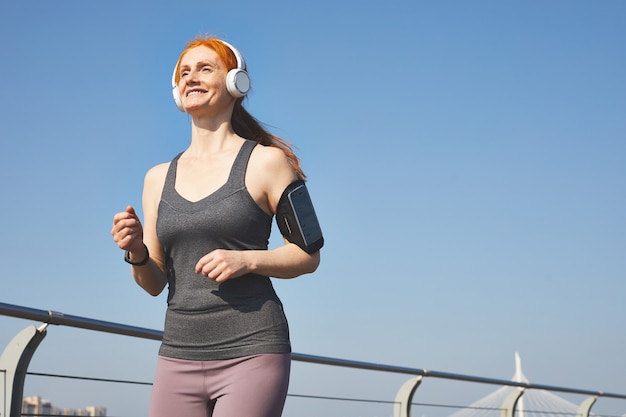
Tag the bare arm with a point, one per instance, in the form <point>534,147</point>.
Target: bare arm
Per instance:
<point>287,261</point>
<point>130,235</point>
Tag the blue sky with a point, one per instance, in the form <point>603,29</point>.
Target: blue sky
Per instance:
<point>467,160</point>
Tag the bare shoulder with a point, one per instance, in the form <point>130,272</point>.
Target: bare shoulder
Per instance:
<point>270,165</point>
<point>154,181</point>
<point>157,172</point>
<point>269,173</point>
<point>269,157</point>
<point>156,175</point>
<point>271,162</point>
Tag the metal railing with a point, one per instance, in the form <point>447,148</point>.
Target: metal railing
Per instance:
<point>16,357</point>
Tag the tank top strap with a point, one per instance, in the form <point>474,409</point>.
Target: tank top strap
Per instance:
<point>236,178</point>
<point>238,172</point>
<point>170,177</point>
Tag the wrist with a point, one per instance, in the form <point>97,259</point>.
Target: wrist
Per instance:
<point>143,261</point>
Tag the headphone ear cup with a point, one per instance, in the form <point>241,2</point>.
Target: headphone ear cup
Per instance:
<point>237,82</point>
<point>177,100</point>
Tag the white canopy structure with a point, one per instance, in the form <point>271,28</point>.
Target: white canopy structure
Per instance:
<point>534,402</point>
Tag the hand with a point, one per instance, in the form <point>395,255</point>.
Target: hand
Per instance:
<point>127,232</point>
<point>222,265</point>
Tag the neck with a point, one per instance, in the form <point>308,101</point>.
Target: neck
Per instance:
<point>211,140</point>
<point>211,136</point>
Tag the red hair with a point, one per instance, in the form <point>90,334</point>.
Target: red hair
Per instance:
<point>244,124</point>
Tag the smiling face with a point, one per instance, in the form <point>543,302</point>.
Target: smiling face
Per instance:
<point>202,81</point>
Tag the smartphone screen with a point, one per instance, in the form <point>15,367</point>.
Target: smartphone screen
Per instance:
<point>305,215</point>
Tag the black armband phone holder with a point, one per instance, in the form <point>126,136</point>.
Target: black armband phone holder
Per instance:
<point>296,218</point>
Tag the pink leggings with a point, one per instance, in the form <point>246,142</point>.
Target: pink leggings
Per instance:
<point>252,386</point>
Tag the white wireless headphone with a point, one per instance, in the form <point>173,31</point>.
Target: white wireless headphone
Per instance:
<point>237,80</point>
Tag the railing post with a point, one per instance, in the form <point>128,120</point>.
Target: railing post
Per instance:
<point>585,407</point>
<point>14,364</point>
<point>510,402</point>
<point>404,397</point>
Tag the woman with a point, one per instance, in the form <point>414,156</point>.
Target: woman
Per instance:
<point>207,220</point>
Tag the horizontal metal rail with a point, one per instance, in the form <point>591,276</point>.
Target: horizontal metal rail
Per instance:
<point>56,318</point>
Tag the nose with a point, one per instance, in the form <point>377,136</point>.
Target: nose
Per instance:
<point>191,77</point>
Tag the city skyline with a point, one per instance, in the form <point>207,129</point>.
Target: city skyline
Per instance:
<point>36,405</point>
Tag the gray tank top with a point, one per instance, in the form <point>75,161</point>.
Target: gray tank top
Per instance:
<point>206,320</point>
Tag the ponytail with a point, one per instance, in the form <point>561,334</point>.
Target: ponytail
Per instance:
<point>246,126</point>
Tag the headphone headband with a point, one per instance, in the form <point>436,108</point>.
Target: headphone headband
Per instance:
<point>241,63</point>
<point>237,80</point>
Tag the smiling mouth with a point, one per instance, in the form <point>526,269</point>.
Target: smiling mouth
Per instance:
<point>195,93</point>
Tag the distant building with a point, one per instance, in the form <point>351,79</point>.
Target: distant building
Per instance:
<point>96,411</point>
<point>37,406</point>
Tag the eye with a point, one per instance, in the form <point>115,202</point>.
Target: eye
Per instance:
<point>207,68</point>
